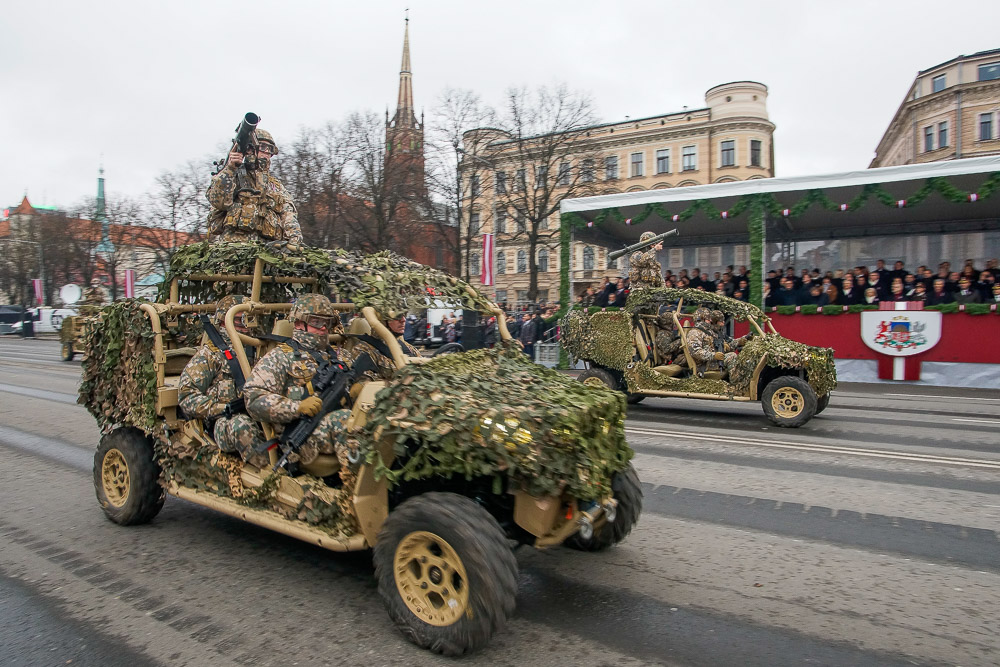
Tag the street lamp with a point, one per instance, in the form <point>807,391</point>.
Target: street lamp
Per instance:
<point>41,263</point>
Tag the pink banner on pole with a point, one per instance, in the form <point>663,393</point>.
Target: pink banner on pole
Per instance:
<point>486,275</point>
<point>129,284</point>
<point>37,284</point>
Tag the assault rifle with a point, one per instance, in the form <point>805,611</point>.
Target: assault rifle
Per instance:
<point>245,142</point>
<point>331,383</point>
<point>642,245</point>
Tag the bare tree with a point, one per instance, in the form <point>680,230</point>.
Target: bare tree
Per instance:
<point>545,157</point>
<point>176,211</point>
<point>457,112</point>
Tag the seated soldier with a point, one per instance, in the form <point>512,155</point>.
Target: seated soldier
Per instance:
<point>668,339</point>
<point>280,390</point>
<point>377,349</point>
<point>701,342</point>
<point>208,390</point>
<point>728,344</point>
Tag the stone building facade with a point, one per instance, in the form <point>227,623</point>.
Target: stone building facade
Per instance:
<point>950,111</point>
<point>729,139</point>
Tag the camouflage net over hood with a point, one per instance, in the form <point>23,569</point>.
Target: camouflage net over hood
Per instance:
<point>780,352</point>
<point>648,301</point>
<point>119,376</point>
<point>479,414</point>
<point>603,338</point>
<point>384,280</point>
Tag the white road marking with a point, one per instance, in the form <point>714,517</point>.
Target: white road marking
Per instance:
<point>980,421</point>
<point>824,449</point>
<point>962,398</point>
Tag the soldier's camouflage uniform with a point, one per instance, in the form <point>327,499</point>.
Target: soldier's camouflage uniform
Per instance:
<point>645,270</point>
<point>281,380</point>
<point>727,343</point>
<point>269,216</point>
<point>206,387</point>
<point>668,339</point>
<point>701,344</point>
<point>386,366</point>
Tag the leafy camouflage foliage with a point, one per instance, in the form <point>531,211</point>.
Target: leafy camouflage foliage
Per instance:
<point>780,352</point>
<point>119,375</point>
<point>603,338</point>
<point>639,376</point>
<point>648,301</point>
<point>493,413</point>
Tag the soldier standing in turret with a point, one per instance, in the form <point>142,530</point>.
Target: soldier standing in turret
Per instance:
<point>644,269</point>
<point>266,214</point>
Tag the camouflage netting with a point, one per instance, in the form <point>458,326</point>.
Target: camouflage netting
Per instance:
<point>119,377</point>
<point>383,279</point>
<point>640,376</point>
<point>783,353</point>
<point>603,338</point>
<point>480,414</point>
<point>648,301</point>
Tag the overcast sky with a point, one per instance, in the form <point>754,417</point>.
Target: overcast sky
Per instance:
<point>149,85</point>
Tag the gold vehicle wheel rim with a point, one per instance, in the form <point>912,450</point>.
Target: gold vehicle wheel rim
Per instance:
<point>788,402</point>
<point>594,382</point>
<point>115,477</point>
<point>431,579</point>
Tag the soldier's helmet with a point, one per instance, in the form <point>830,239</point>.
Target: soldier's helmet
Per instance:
<point>718,316</point>
<point>702,315</point>
<point>264,137</point>
<point>646,236</point>
<point>224,304</point>
<point>665,320</point>
<point>313,309</point>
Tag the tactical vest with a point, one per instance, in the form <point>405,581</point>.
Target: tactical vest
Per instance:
<point>257,214</point>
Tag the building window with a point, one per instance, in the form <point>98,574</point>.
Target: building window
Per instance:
<point>985,126</point>
<point>501,262</point>
<point>501,183</point>
<point>521,223</point>
<point>473,223</point>
<point>522,261</point>
<point>942,134</point>
<point>635,165</point>
<point>755,152</point>
<point>938,83</point>
<point>500,226</point>
<point>541,175</point>
<point>689,158</point>
<point>588,258</point>
<point>520,181</point>
<point>929,138</point>
<point>543,223</point>
<point>611,168</point>
<point>502,296</point>
<point>476,187</point>
<point>474,264</point>
<point>587,175</point>
<point>543,260</point>
<point>989,72</point>
<point>563,178</point>
<point>663,161</point>
<point>728,153</point>
<point>543,296</point>
<point>522,297</point>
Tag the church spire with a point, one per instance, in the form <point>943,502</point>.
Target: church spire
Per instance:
<point>101,216</point>
<point>405,116</point>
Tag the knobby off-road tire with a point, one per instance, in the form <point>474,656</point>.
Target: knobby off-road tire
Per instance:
<point>822,403</point>
<point>627,491</point>
<point>789,401</point>
<point>449,348</point>
<point>632,399</point>
<point>609,381</point>
<point>67,352</point>
<point>446,573</point>
<point>126,477</point>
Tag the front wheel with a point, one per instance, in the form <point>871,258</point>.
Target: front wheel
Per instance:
<point>627,491</point>
<point>126,477</point>
<point>446,573</point>
<point>789,401</point>
<point>821,404</point>
<point>68,352</point>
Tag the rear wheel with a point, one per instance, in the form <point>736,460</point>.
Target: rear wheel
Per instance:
<point>445,572</point>
<point>126,477</point>
<point>789,401</point>
<point>449,348</point>
<point>627,491</point>
<point>821,404</point>
<point>598,377</point>
<point>68,352</point>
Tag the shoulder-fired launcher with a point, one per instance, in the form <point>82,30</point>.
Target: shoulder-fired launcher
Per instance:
<point>642,245</point>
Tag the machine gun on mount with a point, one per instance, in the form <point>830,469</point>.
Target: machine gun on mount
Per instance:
<point>642,245</point>
<point>245,142</point>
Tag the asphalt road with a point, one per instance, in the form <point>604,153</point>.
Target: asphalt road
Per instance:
<point>867,537</point>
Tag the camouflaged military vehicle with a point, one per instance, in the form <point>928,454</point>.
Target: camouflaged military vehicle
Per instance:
<point>791,380</point>
<point>450,464</point>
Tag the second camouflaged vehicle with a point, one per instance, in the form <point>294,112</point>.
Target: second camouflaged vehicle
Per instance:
<point>792,381</point>
<point>448,465</point>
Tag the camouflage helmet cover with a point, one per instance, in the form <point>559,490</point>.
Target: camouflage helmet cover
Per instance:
<point>311,304</point>
<point>264,137</point>
<point>702,315</point>
<point>225,303</point>
<point>718,316</point>
<point>646,236</point>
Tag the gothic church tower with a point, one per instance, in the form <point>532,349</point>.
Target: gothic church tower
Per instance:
<point>404,134</point>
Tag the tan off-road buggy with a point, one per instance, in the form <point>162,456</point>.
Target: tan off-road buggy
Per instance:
<point>792,381</point>
<point>441,539</point>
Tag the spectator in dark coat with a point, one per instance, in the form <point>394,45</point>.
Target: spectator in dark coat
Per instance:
<point>985,285</point>
<point>919,293</point>
<point>897,292</point>
<point>940,294</point>
<point>850,294</point>
<point>876,281</point>
<point>787,295</point>
<point>966,292</point>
